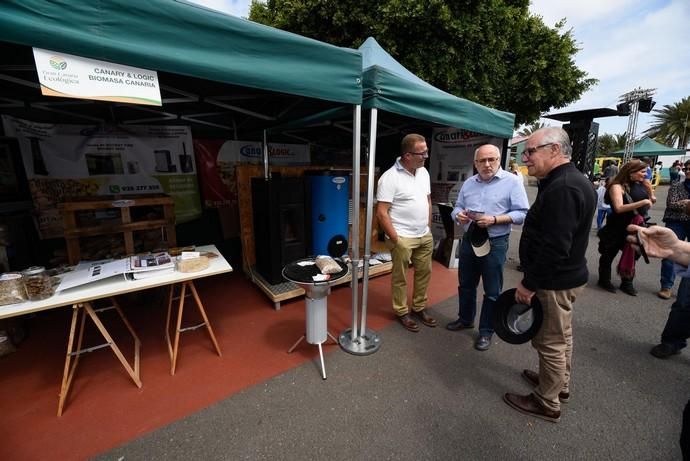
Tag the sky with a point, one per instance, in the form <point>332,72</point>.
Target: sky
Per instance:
<point>625,44</point>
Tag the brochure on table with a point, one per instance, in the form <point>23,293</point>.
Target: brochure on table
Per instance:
<point>136,267</point>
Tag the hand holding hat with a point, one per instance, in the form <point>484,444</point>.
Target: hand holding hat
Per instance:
<point>516,322</point>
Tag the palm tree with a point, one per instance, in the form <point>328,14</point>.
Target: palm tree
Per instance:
<point>529,129</point>
<point>672,124</point>
<point>607,143</point>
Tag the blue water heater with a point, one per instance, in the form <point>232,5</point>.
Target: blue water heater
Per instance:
<point>330,193</point>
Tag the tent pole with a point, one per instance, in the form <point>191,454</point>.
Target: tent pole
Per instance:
<point>354,246</point>
<point>368,341</point>
<point>265,146</point>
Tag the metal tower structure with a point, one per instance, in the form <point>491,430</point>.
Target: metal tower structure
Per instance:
<point>635,101</point>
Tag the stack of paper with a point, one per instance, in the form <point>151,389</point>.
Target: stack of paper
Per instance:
<point>150,265</point>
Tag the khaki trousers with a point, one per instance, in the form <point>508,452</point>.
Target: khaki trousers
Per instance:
<point>418,250</point>
<point>554,344</point>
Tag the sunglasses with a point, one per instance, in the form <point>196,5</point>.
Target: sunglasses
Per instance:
<point>424,154</point>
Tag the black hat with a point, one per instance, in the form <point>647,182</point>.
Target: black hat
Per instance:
<point>479,238</point>
<point>513,322</point>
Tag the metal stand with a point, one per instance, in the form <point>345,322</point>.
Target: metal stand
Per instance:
<point>316,320</point>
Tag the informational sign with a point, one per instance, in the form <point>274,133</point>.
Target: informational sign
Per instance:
<point>451,163</point>
<point>66,75</point>
<point>71,161</point>
<point>252,152</point>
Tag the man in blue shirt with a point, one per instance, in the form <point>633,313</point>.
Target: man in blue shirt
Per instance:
<point>493,199</point>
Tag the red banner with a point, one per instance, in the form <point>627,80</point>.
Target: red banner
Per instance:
<point>218,187</point>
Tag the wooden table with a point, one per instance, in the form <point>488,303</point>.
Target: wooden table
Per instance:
<point>81,298</point>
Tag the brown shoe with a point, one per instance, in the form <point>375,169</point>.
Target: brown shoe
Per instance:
<point>408,323</point>
<point>664,293</point>
<point>532,377</point>
<point>425,318</point>
<point>528,405</point>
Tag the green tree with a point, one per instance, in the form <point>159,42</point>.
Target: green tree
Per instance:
<point>672,124</point>
<point>607,143</point>
<point>489,51</point>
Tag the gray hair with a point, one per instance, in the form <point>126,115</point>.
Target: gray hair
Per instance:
<point>556,135</point>
<point>498,151</point>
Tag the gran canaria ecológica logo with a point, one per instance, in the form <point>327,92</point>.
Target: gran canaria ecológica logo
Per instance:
<point>58,63</point>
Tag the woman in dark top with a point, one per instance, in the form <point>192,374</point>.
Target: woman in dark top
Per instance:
<point>628,194</point>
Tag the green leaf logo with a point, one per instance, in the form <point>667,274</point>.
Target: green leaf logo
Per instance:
<point>114,189</point>
<point>57,63</point>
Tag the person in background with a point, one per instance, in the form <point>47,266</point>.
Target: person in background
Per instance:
<point>603,209</point>
<point>661,242</point>
<point>515,169</point>
<point>648,171</point>
<point>404,214</point>
<point>681,174</point>
<point>502,200</point>
<point>596,170</point>
<point>649,176</point>
<point>611,169</point>
<point>553,245</point>
<point>628,196</point>
<point>673,171</point>
<point>677,219</point>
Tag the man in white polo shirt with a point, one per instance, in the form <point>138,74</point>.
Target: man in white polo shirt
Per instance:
<point>404,214</point>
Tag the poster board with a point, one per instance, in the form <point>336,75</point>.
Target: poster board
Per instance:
<point>451,164</point>
<point>72,161</point>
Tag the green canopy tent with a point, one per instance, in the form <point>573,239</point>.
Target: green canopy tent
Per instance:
<point>186,39</point>
<point>389,86</point>
<point>647,147</point>
<point>206,61</point>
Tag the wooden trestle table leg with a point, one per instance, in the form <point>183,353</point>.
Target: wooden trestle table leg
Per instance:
<point>87,309</point>
<point>173,344</point>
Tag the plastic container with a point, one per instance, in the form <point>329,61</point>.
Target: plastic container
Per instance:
<point>12,288</point>
<point>38,284</point>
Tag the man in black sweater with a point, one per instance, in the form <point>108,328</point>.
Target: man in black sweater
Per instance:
<point>552,253</point>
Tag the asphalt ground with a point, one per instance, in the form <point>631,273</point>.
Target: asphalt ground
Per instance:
<point>431,396</point>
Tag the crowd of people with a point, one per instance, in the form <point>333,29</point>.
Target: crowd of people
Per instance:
<point>555,234</point>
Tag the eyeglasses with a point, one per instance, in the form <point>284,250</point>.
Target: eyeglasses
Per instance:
<point>531,150</point>
<point>423,154</point>
<point>487,160</point>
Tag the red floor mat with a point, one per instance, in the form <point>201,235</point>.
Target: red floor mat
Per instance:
<point>105,409</point>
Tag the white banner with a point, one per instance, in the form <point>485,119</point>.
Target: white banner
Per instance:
<point>251,152</point>
<point>70,161</point>
<point>451,163</point>
<point>66,75</point>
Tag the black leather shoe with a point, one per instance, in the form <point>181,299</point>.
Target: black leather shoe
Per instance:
<point>664,351</point>
<point>458,325</point>
<point>606,285</point>
<point>628,289</point>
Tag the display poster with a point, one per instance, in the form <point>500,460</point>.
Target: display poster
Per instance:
<point>451,163</point>
<point>66,75</point>
<point>71,161</point>
<point>232,152</point>
<point>217,160</point>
